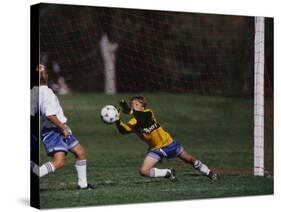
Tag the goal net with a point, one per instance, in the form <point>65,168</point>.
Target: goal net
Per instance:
<point>198,68</point>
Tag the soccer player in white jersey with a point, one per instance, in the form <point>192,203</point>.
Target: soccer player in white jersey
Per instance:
<point>56,136</point>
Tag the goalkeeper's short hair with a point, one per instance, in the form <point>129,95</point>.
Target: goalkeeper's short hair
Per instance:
<point>141,99</point>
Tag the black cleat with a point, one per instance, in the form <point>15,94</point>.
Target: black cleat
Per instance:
<point>171,175</point>
<point>88,187</point>
<point>212,175</point>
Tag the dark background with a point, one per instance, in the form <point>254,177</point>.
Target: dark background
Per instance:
<point>158,51</point>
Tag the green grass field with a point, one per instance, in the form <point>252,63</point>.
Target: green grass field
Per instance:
<point>217,130</point>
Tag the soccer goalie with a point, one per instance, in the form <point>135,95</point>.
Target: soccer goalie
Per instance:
<point>56,136</point>
<point>160,142</point>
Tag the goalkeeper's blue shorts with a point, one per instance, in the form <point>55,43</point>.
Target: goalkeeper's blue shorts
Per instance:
<point>172,150</point>
<point>54,141</point>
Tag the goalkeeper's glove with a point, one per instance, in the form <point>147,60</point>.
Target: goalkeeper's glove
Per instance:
<point>124,106</point>
<point>119,111</point>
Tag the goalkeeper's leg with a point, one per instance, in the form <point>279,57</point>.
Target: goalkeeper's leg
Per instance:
<point>197,164</point>
<point>147,169</point>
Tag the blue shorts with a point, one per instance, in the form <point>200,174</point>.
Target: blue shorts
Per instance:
<point>54,141</point>
<point>169,152</point>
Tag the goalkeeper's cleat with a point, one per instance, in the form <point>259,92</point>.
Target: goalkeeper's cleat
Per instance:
<point>171,175</point>
<point>88,187</point>
<point>212,175</point>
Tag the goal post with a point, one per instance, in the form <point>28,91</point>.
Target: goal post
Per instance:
<point>259,98</point>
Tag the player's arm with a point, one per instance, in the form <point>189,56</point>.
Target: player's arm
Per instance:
<point>125,128</point>
<point>125,107</point>
<point>54,120</point>
<point>145,116</point>
<point>48,109</point>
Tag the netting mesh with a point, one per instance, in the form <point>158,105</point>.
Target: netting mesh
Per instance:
<point>155,52</point>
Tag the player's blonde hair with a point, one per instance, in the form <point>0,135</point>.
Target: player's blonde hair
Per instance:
<point>140,99</point>
<point>43,74</point>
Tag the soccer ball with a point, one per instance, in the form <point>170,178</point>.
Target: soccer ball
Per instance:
<point>109,114</point>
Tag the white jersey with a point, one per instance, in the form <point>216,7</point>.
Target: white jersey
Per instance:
<point>49,105</point>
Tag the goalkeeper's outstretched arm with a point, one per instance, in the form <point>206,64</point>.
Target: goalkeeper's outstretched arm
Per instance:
<point>123,127</point>
<point>125,107</point>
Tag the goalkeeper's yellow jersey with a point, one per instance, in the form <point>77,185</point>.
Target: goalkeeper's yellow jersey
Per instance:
<point>145,126</point>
